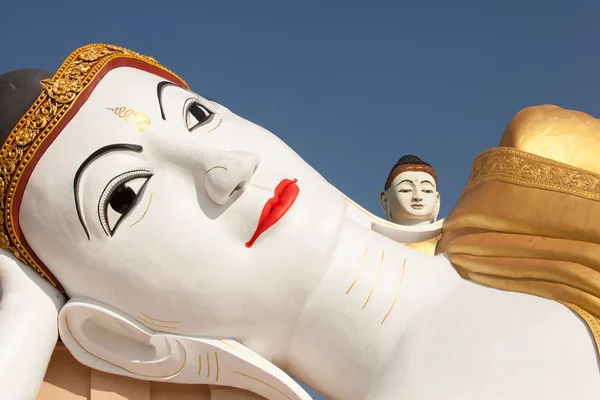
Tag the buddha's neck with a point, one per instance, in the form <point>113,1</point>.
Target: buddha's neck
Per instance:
<point>356,316</point>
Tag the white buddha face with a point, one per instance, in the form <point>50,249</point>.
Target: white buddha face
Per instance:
<point>204,221</point>
<point>411,199</point>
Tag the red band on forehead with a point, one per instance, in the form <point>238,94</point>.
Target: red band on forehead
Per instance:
<point>410,167</point>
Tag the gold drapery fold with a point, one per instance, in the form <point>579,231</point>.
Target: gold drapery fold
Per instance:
<point>531,227</point>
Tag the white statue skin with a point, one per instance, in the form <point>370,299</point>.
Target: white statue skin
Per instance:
<point>411,199</point>
<point>346,310</point>
<point>29,307</point>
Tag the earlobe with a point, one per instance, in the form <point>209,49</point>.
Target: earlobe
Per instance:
<point>383,201</point>
<point>436,209</point>
<point>104,339</point>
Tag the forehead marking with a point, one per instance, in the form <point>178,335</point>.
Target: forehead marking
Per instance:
<point>138,120</point>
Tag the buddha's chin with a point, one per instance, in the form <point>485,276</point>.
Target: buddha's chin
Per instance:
<point>414,216</point>
<point>421,214</point>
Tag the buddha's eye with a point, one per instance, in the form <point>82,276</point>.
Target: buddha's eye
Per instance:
<point>405,190</point>
<point>427,191</point>
<point>196,115</point>
<point>120,196</point>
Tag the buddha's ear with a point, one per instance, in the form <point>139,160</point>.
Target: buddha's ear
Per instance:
<point>383,200</point>
<point>436,209</point>
<point>104,339</point>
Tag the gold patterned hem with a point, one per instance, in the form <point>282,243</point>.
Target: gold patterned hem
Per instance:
<point>592,322</point>
<point>518,167</point>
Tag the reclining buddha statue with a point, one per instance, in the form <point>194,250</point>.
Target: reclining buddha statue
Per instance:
<point>168,240</point>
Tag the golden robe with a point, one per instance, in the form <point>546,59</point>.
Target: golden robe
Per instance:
<point>529,218</point>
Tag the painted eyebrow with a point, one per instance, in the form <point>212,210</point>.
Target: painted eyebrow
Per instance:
<point>93,157</point>
<point>406,180</point>
<point>159,91</point>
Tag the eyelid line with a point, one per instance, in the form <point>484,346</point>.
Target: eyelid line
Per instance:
<point>145,211</point>
<point>112,185</point>
<point>137,200</point>
<point>186,109</point>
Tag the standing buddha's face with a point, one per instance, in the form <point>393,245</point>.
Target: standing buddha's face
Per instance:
<point>412,198</point>
<point>154,198</point>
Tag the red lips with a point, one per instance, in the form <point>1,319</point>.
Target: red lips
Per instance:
<point>276,207</point>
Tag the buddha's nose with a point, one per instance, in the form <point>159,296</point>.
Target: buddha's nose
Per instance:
<point>228,173</point>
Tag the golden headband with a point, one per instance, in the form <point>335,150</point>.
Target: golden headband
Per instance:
<point>507,164</point>
<point>58,103</point>
<point>410,167</point>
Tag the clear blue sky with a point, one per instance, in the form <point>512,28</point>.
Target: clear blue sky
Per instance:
<point>351,86</point>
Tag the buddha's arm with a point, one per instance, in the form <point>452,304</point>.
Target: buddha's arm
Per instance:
<point>29,308</point>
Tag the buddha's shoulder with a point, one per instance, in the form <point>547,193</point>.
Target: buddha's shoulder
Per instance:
<point>426,246</point>
<point>567,136</point>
